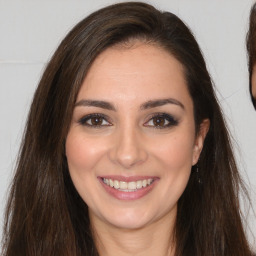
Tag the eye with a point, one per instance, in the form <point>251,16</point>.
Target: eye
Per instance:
<point>95,120</point>
<point>161,121</point>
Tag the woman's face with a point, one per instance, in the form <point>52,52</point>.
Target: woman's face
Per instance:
<point>132,139</point>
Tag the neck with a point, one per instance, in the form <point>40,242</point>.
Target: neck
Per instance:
<point>154,239</point>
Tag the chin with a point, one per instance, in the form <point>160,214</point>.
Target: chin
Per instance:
<point>128,219</point>
<point>129,224</point>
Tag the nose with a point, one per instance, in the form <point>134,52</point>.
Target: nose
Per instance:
<point>128,149</point>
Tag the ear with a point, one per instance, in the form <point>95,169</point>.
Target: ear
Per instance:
<point>199,140</point>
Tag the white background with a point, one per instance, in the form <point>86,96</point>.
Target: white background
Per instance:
<point>31,30</point>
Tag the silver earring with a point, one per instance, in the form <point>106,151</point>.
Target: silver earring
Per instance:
<point>198,176</point>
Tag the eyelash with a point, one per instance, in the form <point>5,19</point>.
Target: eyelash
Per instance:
<point>84,120</point>
<point>166,117</point>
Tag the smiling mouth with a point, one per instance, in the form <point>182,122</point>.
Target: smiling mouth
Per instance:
<point>131,186</point>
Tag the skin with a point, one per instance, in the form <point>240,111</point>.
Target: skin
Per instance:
<point>129,144</point>
<point>254,82</point>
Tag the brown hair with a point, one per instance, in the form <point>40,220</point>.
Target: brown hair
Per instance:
<point>46,216</point>
<point>251,48</point>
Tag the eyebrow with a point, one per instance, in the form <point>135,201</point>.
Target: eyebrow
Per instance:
<point>147,105</point>
<point>96,103</point>
<point>160,102</point>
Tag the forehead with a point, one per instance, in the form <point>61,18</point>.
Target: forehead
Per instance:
<point>140,71</point>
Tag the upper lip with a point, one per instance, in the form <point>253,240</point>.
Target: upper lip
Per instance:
<point>127,179</point>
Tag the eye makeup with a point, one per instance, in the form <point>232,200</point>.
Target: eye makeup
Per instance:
<point>156,120</point>
<point>95,120</point>
<point>161,121</point>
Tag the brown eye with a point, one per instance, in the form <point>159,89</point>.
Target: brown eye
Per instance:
<point>96,120</point>
<point>159,121</point>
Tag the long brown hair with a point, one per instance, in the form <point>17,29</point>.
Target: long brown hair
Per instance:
<point>45,215</point>
<point>251,48</point>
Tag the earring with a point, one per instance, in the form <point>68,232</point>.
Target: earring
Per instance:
<point>198,176</point>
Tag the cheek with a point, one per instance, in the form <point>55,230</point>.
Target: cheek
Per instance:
<point>82,154</point>
<point>176,152</point>
<point>76,151</point>
<point>174,157</point>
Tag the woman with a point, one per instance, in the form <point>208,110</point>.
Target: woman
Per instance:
<point>251,48</point>
<point>109,163</point>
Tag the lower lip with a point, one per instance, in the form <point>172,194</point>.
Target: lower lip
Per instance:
<point>121,195</point>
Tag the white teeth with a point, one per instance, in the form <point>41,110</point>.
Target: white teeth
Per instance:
<point>123,185</point>
<point>116,184</point>
<point>106,181</point>
<point>132,185</point>
<point>128,186</point>
<point>139,184</point>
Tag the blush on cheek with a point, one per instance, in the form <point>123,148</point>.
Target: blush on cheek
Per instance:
<point>75,152</point>
<point>83,153</point>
